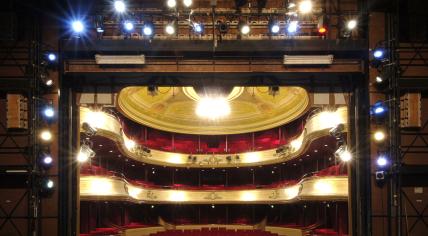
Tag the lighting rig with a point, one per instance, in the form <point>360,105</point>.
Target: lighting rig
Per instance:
<point>379,60</point>
<point>44,121</point>
<point>298,18</point>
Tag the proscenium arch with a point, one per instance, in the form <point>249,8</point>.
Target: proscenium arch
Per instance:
<point>76,76</point>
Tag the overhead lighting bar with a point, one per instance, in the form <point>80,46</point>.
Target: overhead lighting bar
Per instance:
<point>120,59</point>
<point>308,60</point>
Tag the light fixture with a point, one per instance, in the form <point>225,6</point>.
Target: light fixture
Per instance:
<point>305,6</point>
<point>382,161</point>
<point>119,6</point>
<point>343,153</point>
<point>212,206</point>
<point>308,59</point>
<point>170,28</point>
<point>273,26</point>
<point>171,3</point>
<point>351,24</point>
<point>187,3</point>
<point>48,112</point>
<point>51,56</point>
<point>85,153</point>
<point>148,28</point>
<point>322,30</point>
<point>379,110</point>
<point>378,54</point>
<point>244,28</point>
<point>213,107</point>
<point>379,79</point>
<point>128,25</point>
<point>198,27</point>
<point>292,26</point>
<point>48,183</point>
<point>45,160</point>
<point>222,27</point>
<point>46,135</point>
<point>77,26</point>
<point>379,136</point>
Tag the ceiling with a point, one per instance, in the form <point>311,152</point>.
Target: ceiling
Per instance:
<point>173,109</point>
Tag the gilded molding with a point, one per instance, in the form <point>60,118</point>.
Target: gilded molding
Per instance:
<point>312,188</point>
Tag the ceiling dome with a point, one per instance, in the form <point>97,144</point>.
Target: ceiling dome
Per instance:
<point>251,109</point>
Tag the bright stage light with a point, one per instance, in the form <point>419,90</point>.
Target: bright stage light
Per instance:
<point>148,29</point>
<point>85,153</point>
<point>128,26</point>
<point>382,161</point>
<point>198,28</point>
<point>292,27</point>
<point>352,24</point>
<point>322,30</point>
<point>49,112</point>
<point>171,3</point>
<point>379,109</point>
<point>51,57</point>
<point>379,136</point>
<point>343,153</point>
<point>47,160</point>
<point>187,3</point>
<point>119,6</point>
<point>170,29</point>
<point>305,6</point>
<point>130,144</point>
<point>213,108</point>
<point>77,26</point>
<point>244,28</point>
<point>46,135</point>
<point>378,53</point>
<point>274,28</point>
<point>379,79</point>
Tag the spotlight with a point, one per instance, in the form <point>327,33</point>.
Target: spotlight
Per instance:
<point>382,161</point>
<point>379,110</point>
<point>244,28</point>
<point>46,135</point>
<point>48,112</point>
<point>44,78</point>
<point>379,54</point>
<point>292,27</point>
<point>119,6</point>
<point>305,6</point>
<point>352,24</point>
<point>51,56</point>
<point>148,29</point>
<point>379,79</point>
<point>128,26</point>
<point>379,136</point>
<point>47,186</point>
<point>343,153</point>
<point>45,160</point>
<point>222,27</point>
<point>170,29</point>
<point>273,27</point>
<point>47,183</point>
<point>85,153</point>
<point>198,28</point>
<point>77,26</point>
<point>322,30</point>
<point>171,3</point>
<point>380,177</point>
<point>187,3</point>
<point>212,206</point>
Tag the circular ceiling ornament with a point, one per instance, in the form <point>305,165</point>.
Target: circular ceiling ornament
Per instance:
<point>173,109</point>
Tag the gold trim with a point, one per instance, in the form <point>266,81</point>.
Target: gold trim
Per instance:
<point>118,189</point>
<point>252,110</point>
<point>316,126</point>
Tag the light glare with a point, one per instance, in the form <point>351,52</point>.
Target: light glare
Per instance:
<point>351,24</point>
<point>119,6</point>
<point>46,135</point>
<point>305,6</point>
<point>382,161</point>
<point>171,3</point>
<point>77,26</point>
<point>245,29</point>
<point>187,3</point>
<point>213,108</point>
<point>170,29</point>
<point>275,28</point>
<point>292,26</point>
